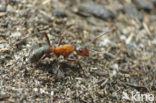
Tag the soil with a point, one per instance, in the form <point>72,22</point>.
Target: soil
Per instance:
<point>120,61</point>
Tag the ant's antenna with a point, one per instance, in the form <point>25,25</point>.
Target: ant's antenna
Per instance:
<point>105,53</point>
<point>103,33</point>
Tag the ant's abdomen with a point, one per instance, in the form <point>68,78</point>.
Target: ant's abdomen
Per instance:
<point>38,51</point>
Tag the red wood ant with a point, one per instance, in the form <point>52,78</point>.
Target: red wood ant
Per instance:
<point>43,50</point>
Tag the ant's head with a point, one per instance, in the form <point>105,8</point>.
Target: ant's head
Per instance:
<point>82,52</point>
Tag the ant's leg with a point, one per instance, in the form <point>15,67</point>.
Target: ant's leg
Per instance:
<point>54,77</point>
<point>34,68</point>
<point>58,68</point>
<point>60,41</point>
<point>47,38</point>
<point>76,61</point>
<point>43,57</point>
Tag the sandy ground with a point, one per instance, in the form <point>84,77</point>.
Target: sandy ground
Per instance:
<point>120,62</point>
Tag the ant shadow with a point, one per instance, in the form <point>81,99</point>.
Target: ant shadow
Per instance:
<point>65,68</point>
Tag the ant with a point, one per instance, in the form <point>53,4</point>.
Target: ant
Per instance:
<point>44,50</point>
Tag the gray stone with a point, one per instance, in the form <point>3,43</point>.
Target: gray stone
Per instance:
<point>96,10</point>
<point>132,11</point>
<point>59,13</point>
<point>144,4</point>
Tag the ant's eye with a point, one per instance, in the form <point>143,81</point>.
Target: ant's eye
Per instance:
<point>80,50</point>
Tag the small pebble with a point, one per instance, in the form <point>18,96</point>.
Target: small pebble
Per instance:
<point>17,57</point>
<point>42,91</point>
<point>35,89</point>
<point>2,46</point>
<point>16,34</point>
<point>52,93</point>
<point>127,75</point>
<point>122,37</point>
<point>10,8</point>
<point>115,66</point>
<point>2,8</point>
<point>59,13</point>
<point>105,42</point>
<point>132,44</point>
<point>114,95</point>
<point>154,42</point>
<point>141,45</point>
